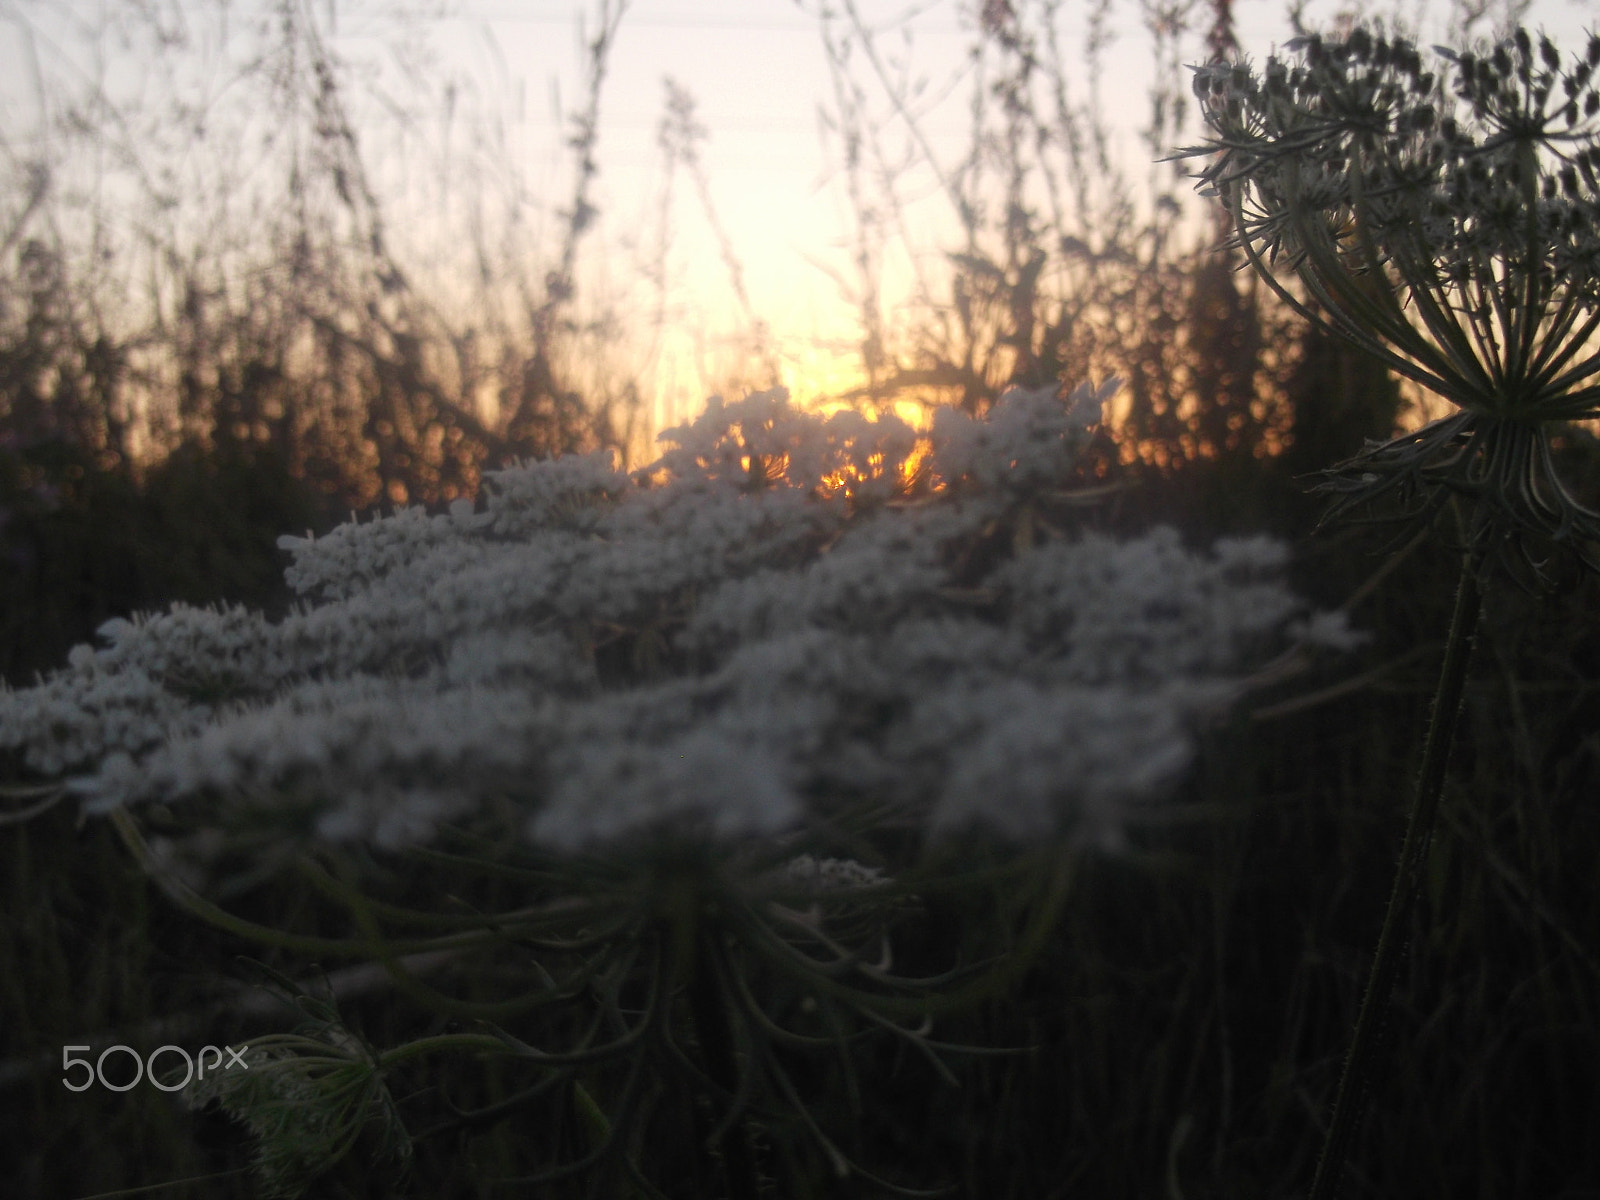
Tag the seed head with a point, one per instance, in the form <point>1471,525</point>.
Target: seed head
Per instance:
<point>1444,222</point>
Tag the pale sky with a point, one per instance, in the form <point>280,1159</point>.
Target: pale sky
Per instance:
<point>758,74</point>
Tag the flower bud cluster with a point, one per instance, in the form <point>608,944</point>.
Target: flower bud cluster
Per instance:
<point>1357,148</point>
<point>1446,221</point>
<point>752,633</point>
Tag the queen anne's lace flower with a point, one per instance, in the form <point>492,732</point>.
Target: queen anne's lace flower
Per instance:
<point>875,574</point>
<point>1024,443</point>
<point>79,716</point>
<point>1147,609</point>
<point>563,493</point>
<point>703,779</point>
<point>822,875</point>
<point>742,638</point>
<point>1446,220</point>
<point>1074,755</point>
<point>355,556</point>
<point>762,442</point>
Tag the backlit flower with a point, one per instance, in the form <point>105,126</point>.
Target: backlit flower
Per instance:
<point>1448,223</point>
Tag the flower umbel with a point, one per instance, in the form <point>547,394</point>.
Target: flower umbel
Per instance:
<point>1449,224</point>
<point>653,768</point>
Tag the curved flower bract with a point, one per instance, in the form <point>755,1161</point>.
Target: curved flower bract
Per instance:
<point>1448,223</point>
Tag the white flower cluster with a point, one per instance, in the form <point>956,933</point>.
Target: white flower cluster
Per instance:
<point>830,874</point>
<point>1021,445</point>
<point>753,633</point>
<point>1148,610</point>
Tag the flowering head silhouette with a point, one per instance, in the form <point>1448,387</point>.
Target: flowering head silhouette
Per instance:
<point>1447,224</point>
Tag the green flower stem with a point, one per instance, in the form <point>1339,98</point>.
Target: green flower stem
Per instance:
<point>439,1043</point>
<point>1355,1084</point>
<point>198,906</point>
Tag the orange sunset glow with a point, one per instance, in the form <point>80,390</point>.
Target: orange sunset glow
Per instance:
<point>474,235</point>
